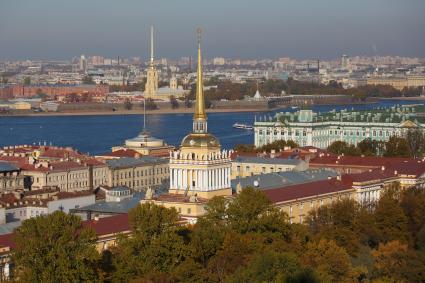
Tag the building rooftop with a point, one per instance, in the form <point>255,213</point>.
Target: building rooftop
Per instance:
<point>7,167</point>
<point>305,190</point>
<point>114,207</point>
<point>133,162</point>
<point>263,160</point>
<point>283,179</point>
<point>395,114</point>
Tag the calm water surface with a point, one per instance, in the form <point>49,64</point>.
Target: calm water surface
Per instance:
<point>97,134</point>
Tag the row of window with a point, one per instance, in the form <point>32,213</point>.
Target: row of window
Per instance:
<point>375,133</point>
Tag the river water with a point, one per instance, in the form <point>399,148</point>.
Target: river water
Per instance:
<point>97,134</point>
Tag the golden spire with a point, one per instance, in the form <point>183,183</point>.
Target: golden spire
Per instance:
<point>200,100</point>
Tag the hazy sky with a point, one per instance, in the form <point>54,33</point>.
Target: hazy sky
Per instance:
<point>59,29</point>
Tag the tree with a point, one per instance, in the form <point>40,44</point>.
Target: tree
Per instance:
<point>330,262</point>
<point>394,262</point>
<point>127,104</point>
<point>187,102</point>
<point>416,141</point>
<point>27,80</point>
<point>245,148</point>
<point>389,218</point>
<point>55,248</point>
<point>174,103</point>
<point>341,147</point>
<point>88,80</point>
<point>397,147</point>
<point>154,246</point>
<point>336,221</point>
<point>150,104</point>
<point>252,211</point>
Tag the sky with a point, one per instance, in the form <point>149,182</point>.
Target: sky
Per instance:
<point>323,29</point>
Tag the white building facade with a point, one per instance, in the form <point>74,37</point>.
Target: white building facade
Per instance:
<point>307,128</point>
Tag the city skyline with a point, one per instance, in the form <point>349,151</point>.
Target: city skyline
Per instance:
<point>270,29</point>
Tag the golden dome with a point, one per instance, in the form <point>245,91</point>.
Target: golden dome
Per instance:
<point>200,140</point>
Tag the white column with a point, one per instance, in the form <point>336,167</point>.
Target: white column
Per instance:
<point>205,186</point>
<point>209,179</point>
<point>184,185</point>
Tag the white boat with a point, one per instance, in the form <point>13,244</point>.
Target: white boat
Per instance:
<point>242,126</point>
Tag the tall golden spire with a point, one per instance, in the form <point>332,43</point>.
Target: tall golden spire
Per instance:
<point>200,100</point>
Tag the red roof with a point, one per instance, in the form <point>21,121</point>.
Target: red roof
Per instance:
<point>6,240</point>
<point>307,190</point>
<point>109,225</point>
<point>365,161</point>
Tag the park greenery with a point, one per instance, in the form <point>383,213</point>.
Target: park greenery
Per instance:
<point>225,89</point>
<point>410,145</point>
<point>277,146</point>
<point>245,239</point>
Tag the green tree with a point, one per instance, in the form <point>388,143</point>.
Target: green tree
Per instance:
<point>154,246</point>
<point>397,147</point>
<point>336,221</point>
<point>252,211</point>
<point>88,80</point>
<point>416,141</point>
<point>174,103</point>
<point>341,147</point>
<point>389,218</point>
<point>27,80</point>
<point>127,104</point>
<point>150,104</point>
<point>55,248</point>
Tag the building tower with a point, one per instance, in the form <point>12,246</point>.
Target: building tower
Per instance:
<point>151,85</point>
<point>83,64</point>
<point>199,170</point>
<point>200,167</point>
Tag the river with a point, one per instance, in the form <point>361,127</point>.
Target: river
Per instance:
<point>97,134</point>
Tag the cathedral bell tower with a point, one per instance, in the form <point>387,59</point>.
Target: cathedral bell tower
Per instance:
<point>151,85</point>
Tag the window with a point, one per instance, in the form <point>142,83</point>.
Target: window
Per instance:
<point>189,211</point>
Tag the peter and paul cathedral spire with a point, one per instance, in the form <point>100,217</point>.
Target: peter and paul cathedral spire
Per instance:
<point>200,116</point>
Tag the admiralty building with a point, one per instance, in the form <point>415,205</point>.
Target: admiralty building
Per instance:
<point>308,128</point>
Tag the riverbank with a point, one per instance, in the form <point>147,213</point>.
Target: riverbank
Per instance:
<point>135,112</point>
<point>415,98</point>
<point>138,110</point>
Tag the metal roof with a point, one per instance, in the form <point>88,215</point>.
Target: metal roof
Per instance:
<point>283,179</point>
<point>134,162</point>
<point>6,166</point>
<point>115,207</point>
<point>262,160</point>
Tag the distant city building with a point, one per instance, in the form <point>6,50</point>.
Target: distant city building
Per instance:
<point>344,61</point>
<point>307,128</point>
<point>11,178</point>
<point>219,61</point>
<point>83,64</point>
<point>398,82</point>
